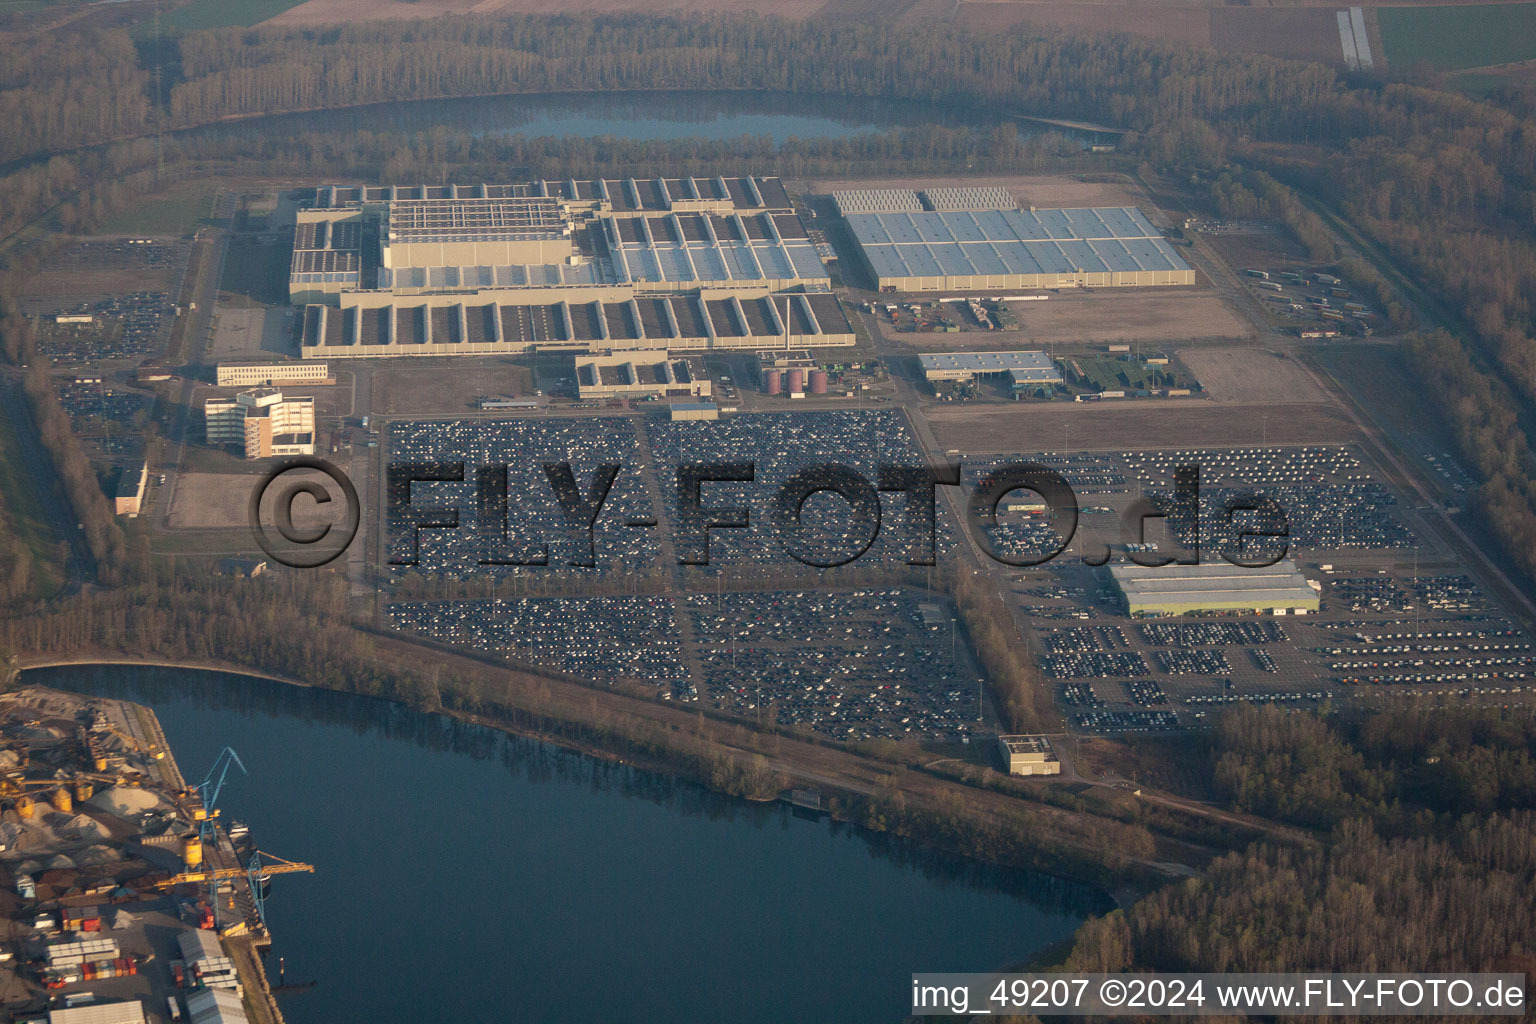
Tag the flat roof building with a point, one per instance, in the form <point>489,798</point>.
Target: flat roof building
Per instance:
<point>1215,588</point>
<point>964,250</point>
<point>693,411</point>
<point>252,375</point>
<point>129,495</point>
<point>636,374</point>
<point>1028,755</point>
<point>1022,368</point>
<point>215,1006</point>
<point>372,324</point>
<point>131,1012</point>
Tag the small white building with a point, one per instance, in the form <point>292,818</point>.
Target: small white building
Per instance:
<point>1028,755</point>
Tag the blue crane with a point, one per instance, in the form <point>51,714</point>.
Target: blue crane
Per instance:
<point>209,789</point>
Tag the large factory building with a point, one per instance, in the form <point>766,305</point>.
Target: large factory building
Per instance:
<point>959,250</point>
<point>692,263</point>
<point>373,324</point>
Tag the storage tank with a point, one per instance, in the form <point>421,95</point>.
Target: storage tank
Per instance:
<point>25,807</point>
<point>796,380</point>
<point>83,791</point>
<point>62,801</point>
<point>773,381</point>
<point>818,382</point>
<point>192,849</point>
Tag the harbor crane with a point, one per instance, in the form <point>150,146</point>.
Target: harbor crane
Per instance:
<point>209,789</point>
<point>255,869</point>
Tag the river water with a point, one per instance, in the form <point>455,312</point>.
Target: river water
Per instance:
<point>463,874</point>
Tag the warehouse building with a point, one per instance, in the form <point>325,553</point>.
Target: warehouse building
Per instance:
<point>131,481</point>
<point>637,374</point>
<point>261,422</point>
<point>255,375</point>
<point>200,949</point>
<point>215,1006</point>
<point>373,324</point>
<point>1215,588</point>
<point>1028,755</point>
<point>967,250</point>
<point>693,411</point>
<point>1023,369</point>
<point>97,1013</point>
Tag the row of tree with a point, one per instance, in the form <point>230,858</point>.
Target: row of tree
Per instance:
<point>75,474</point>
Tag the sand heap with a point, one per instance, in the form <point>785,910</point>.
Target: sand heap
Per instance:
<point>126,801</point>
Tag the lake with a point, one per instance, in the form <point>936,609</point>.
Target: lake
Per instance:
<point>632,115</point>
<point>464,874</point>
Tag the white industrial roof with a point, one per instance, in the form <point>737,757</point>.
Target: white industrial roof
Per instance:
<point>964,243</point>
<point>1033,375</point>
<point>99,1013</point>
<point>199,944</point>
<point>970,197</point>
<point>876,200</point>
<point>215,1006</point>
<point>1278,585</point>
<point>988,362</point>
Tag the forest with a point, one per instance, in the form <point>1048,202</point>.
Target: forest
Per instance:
<point>1428,817</point>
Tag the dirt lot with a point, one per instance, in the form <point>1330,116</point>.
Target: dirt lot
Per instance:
<point>1251,376</point>
<point>1306,33</point>
<point>1103,316</point>
<point>446,390</point>
<point>208,501</point>
<point>1174,23</point>
<point>324,12</point>
<point>1264,250</point>
<point>1146,423</point>
<point>254,333</point>
<point>76,284</point>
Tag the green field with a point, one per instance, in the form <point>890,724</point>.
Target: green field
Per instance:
<point>201,14</point>
<point>25,514</point>
<point>178,211</point>
<point>1452,38</point>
